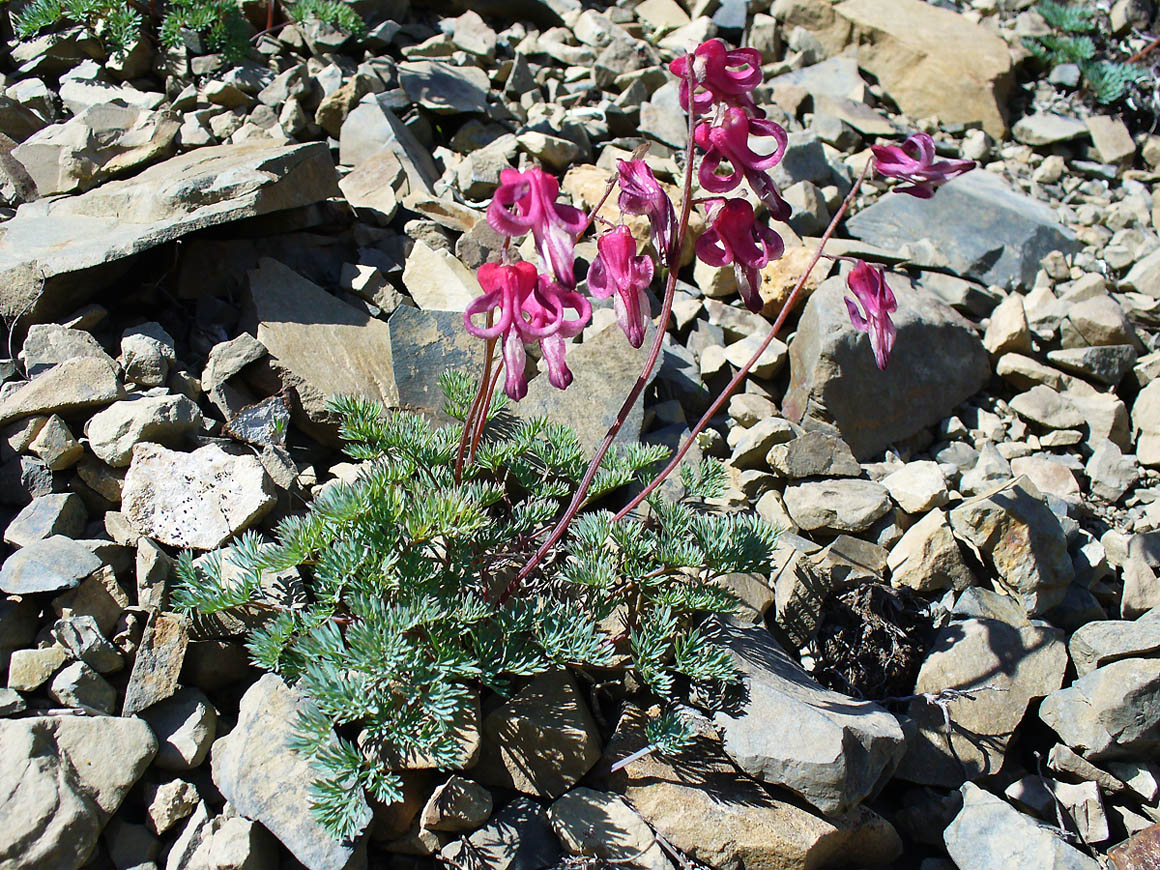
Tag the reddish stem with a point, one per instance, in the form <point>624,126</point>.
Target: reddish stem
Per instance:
<point>740,376</point>
<point>481,421</point>
<point>475,403</point>
<point>641,382</point>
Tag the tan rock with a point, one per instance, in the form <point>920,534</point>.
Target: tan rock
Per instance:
<point>75,384</point>
<point>780,276</point>
<point>437,281</point>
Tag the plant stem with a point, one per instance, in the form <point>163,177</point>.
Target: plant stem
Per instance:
<point>488,350</point>
<point>745,369</point>
<point>642,381</point>
<point>481,420</point>
<point>1144,51</point>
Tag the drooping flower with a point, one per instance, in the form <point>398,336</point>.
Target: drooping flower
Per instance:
<point>914,161</point>
<point>868,284</point>
<point>729,141</point>
<point>642,194</point>
<point>721,75</point>
<point>736,237</point>
<point>526,202</point>
<point>531,308</point>
<point>617,269</point>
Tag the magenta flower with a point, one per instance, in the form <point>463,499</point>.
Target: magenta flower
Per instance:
<point>868,284</point>
<point>736,237</point>
<point>642,194</point>
<point>914,161</point>
<point>618,269</point>
<point>531,308</point>
<point>729,141</point>
<point>553,225</point>
<point>721,75</point>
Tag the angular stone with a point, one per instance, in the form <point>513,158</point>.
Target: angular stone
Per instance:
<point>185,724</point>
<point>457,805</point>
<point>29,669</point>
<point>437,281</point>
<point>697,802</point>
<point>52,565</point>
<point>84,641</point>
<point>319,345</point>
<point>157,666</point>
<point>1106,364</point>
<point>63,777</point>
<point>828,748</point>
<point>61,513</point>
<point>51,240</point>
<point>100,142</point>
<point>73,385</point>
<point>1104,641</point>
<point>597,824</point>
<point>1016,533</point>
<point>813,454</point>
<point>517,838</point>
<point>1008,331</point>
<point>56,446</point>
<point>833,376</point>
<point>927,557</point>
<point>77,685</point>
<point>47,344</point>
<point>1003,244</point>
<point>1047,128</point>
<point>1111,712</point>
<point>837,505</point>
<point>1014,664</point>
<point>917,486</point>
<point>257,772</point>
<point>370,127</point>
<point>444,89</point>
<point>113,432</point>
<point>1138,852</point>
<point>197,499</point>
<point>1081,803</point>
<point>989,833</point>
<point>1146,424</point>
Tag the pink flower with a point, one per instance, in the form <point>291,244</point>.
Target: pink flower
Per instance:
<point>553,225</point>
<point>868,284</point>
<point>736,237</point>
<point>642,194</point>
<point>531,308</point>
<point>914,161</point>
<point>721,75</point>
<point>618,269</point>
<point>729,140</point>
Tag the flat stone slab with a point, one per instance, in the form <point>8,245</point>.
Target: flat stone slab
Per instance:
<point>1007,235</point>
<point>53,240</point>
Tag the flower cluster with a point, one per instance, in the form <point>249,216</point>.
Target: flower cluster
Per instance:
<point>717,83</point>
<point>914,161</point>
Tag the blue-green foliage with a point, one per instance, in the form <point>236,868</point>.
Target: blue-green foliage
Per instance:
<point>1108,81</point>
<point>403,570</point>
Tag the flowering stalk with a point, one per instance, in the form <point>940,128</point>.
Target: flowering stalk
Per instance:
<point>745,369</point>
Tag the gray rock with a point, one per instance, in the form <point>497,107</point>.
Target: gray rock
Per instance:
<point>1016,533</point>
<point>113,432</point>
<point>1111,712</point>
<point>837,78</point>
<point>47,344</point>
<point>1099,643</point>
<point>813,454</point>
<point>370,127</point>
<point>29,669</point>
<point>157,665</point>
<point>100,142</point>
<point>56,446</point>
<point>319,346</point>
<point>1048,128</point>
<point>52,565</point>
<point>61,513</point>
<point>73,385</point>
<point>168,803</point>
<point>256,771</point>
<point>833,376</point>
<point>64,777</point>
<point>1015,664</point>
<point>698,803</point>
<point>597,824</point>
<point>1106,363</point>
<point>185,725</point>
<point>196,499</point>
<point>837,505</point>
<point>1110,472</point>
<point>444,89</point>
<point>83,639</point>
<point>19,623</point>
<point>604,368</point>
<point>989,833</point>
<point>828,748</point>
<point>752,446</point>
<point>457,805</point>
<point>917,487</point>
<point>52,239</point>
<point>11,702</point>
<point>542,741</point>
<point>147,352</point>
<point>1096,322</point>
<point>519,837</point>
<point>1045,407</point>
<point>423,344</point>
<point>78,685</point>
<point>1002,245</point>
<point>927,557</point>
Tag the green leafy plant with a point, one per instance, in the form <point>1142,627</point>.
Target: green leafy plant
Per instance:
<point>114,22</point>
<point>404,617</point>
<point>333,12</point>
<point>219,24</point>
<point>1107,80</point>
